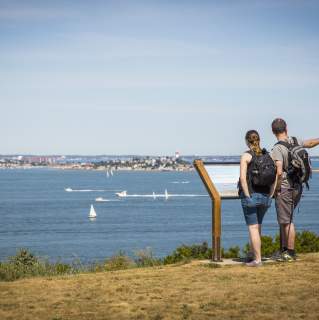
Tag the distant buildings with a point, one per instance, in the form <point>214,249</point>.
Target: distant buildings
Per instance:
<point>147,163</point>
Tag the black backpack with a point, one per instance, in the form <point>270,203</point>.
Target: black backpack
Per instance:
<point>262,170</point>
<point>299,164</point>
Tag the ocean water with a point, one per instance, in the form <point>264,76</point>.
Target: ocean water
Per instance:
<point>37,213</point>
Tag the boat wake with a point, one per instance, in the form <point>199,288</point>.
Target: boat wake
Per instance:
<point>100,199</point>
<point>154,195</point>
<point>180,182</point>
<point>88,190</point>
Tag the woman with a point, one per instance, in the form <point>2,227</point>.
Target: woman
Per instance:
<point>257,183</point>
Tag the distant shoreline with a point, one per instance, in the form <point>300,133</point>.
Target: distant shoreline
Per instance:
<point>190,169</point>
<point>184,169</point>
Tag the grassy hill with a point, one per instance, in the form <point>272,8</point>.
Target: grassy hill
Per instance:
<point>186,291</point>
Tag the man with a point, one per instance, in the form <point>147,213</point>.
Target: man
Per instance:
<point>288,191</point>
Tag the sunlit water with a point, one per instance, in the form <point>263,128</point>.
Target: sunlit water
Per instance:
<point>37,213</point>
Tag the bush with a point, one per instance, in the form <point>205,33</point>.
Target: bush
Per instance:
<point>268,246</point>
<point>62,268</point>
<point>145,258</point>
<point>24,258</point>
<point>184,253</point>
<point>306,242</point>
<point>25,264</point>
<point>119,262</point>
<point>232,252</point>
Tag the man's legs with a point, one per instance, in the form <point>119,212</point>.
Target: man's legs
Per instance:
<point>288,235</point>
<point>286,202</point>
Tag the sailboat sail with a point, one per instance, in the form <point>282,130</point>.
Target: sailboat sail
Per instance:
<point>92,212</point>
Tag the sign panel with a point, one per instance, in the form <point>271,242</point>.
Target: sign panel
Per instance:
<point>225,177</point>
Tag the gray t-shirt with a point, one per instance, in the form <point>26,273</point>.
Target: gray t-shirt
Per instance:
<point>280,153</point>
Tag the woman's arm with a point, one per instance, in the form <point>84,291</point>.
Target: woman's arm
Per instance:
<point>244,161</point>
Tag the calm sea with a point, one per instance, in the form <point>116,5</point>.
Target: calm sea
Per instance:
<point>37,213</point>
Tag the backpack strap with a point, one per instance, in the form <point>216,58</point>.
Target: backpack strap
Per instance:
<point>252,153</point>
<point>289,146</point>
<point>295,141</point>
<point>285,144</point>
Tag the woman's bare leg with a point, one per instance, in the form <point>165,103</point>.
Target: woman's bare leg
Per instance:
<point>254,234</point>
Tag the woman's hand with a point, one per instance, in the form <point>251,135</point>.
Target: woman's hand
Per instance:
<point>244,161</point>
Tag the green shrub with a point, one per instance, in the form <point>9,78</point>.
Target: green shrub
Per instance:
<point>24,258</point>
<point>306,242</point>
<point>268,246</point>
<point>232,252</point>
<point>185,252</point>
<point>119,262</point>
<point>25,264</point>
<point>7,272</point>
<point>62,268</point>
<point>145,258</point>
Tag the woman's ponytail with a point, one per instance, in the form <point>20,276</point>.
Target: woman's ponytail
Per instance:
<point>253,141</point>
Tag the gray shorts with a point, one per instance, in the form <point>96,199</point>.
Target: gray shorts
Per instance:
<point>286,202</point>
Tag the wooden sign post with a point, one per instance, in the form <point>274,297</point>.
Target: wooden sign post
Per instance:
<point>216,197</point>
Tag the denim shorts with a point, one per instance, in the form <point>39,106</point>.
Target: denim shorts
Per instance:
<point>255,207</point>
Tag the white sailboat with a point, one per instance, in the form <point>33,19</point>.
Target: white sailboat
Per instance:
<point>92,214</point>
<point>111,172</point>
<point>107,174</point>
<point>166,194</point>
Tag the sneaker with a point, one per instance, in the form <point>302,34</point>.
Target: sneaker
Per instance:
<point>276,255</point>
<point>285,256</point>
<point>254,263</point>
<point>249,257</point>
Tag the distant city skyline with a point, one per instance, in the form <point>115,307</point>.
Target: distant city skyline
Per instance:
<point>155,77</point>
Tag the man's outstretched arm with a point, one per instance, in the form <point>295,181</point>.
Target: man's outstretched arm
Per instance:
<point>310,143</point>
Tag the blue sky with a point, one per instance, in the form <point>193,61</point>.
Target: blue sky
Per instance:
<point>153,77</point>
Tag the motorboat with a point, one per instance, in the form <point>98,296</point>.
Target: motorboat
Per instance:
<point>100,199</point>
<point>122,194</point>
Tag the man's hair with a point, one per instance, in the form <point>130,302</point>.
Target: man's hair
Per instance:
<point>279,126</point>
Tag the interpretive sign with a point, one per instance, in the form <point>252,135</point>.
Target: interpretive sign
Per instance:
<point>220,180</point>
<point>225,178</point>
